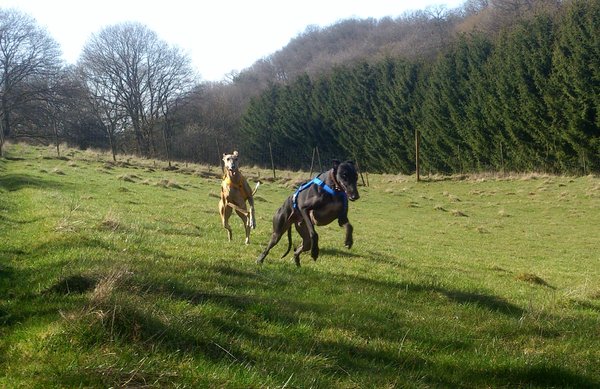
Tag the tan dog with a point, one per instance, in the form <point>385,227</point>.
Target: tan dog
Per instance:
<point>235,191</point>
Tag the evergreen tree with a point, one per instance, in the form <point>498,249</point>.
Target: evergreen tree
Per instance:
<point>576,86</point>
<point>395,112</point>
<point>442,109</point>
<point>258,126</point>
<point>522,68</point>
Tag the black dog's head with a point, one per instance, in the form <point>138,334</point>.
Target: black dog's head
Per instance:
<point>346,176</point>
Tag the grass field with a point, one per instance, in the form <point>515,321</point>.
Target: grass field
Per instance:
<point>120,275</point>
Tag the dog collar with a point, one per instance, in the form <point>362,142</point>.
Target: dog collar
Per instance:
<point>337,186</point>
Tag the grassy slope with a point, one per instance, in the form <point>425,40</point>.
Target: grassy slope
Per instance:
<point>120,275</point>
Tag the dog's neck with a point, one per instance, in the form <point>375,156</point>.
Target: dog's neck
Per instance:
<point>233,177</point>
<point>232,174</point>
<point>333,181</point>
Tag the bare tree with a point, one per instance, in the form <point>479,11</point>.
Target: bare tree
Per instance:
<point>127,67</point>
<point>104,105</point>
<point>28,55</point>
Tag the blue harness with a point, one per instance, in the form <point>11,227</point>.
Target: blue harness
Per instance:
<point>317,181</point>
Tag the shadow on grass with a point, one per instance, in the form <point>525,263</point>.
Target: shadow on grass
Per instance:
<point>11,220</point>
<point>349,354</point>
<point>232,328</point>
<point>486,301</point>
<point>14,182</point>
<point>67,242</point>
<point>7,274</point>
<point>490,302</point>
<point>344,253</point>
<point>385,259</point>
<point>176,290</point>
<point>73,284</point>
<point>543,375</point>
<point>20,302</point>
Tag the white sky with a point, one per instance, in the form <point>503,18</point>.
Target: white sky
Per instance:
<point>220,36</point>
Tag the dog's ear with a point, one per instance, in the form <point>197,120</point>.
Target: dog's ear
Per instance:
<point>235,153</point>
<point>336,163</point>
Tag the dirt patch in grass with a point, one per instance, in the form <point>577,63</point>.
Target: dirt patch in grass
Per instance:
<point>532,279</point>
<point>128,177</point>
<point>457,213</point>
<point>168,183</point>
<point>110,222</point>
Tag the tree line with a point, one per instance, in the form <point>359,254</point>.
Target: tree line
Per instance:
<point>491,85</point>
<point>526,98</point>
<point>121,94</point>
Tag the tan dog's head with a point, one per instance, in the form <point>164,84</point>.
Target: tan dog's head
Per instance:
<point>231,162</point>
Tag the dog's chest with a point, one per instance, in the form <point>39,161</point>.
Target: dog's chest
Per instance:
<point>326,213</point>
<point>233,189</point>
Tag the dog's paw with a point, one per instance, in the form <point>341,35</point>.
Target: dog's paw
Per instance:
<point>314,252</point>
<point>348,244</point>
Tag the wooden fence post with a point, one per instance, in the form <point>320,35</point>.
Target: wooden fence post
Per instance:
<point>417,154</point>
<point>272,162</point>
<point>312,162</point>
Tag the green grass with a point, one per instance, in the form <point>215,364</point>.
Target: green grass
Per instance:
<point>120,275</point>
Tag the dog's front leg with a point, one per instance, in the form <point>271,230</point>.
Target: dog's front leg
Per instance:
<point>344,222</point>
<point>349,240</point>
<point>306,244</point>
<point>251,218</point>
<point>314,237</point>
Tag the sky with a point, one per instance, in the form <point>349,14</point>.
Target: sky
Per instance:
<point>220,36</point>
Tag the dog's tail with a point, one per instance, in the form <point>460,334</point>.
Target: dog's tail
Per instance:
<point>256,188</point>
<point>289,231</point>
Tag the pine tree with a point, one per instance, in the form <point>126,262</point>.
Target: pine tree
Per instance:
<point>576,85</point>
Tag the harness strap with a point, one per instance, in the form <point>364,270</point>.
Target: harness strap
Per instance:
<point>317,181</point>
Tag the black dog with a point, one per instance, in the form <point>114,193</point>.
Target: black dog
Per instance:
<point>316,202</point>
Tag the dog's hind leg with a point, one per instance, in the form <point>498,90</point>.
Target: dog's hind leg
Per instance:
<point>275,237</point>
<point>281,224</point>
<point>289,234</point>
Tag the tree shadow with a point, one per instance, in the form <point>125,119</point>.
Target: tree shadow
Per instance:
<point>486,301</point>
<point>543,375</point>
<point>489,302</point>
<point>238,317</point>
<point>14,182</point>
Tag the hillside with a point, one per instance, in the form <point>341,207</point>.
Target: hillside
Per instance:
<point>522,98</point>
<point>414,35</point>
<point>118,274</point>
